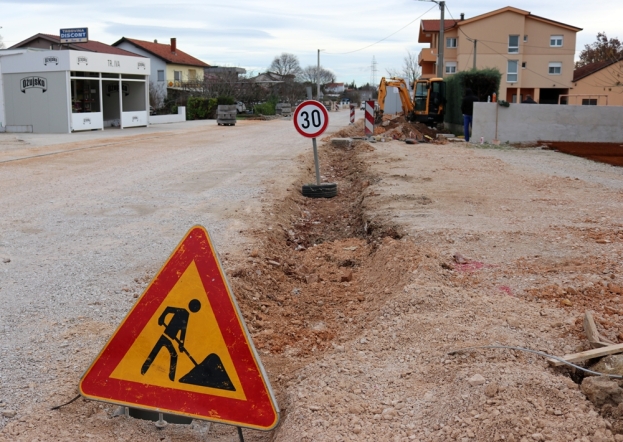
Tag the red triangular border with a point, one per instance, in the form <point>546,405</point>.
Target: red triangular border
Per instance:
<point>259,411</point>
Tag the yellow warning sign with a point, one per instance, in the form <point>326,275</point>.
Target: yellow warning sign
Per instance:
<point>168,367</point>
<point>184,349</point>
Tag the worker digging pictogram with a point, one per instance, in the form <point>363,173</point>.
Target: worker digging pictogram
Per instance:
<point>183,349</point>
<point>209,373</point>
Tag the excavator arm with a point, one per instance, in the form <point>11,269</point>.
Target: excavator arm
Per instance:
<point>403,91</point>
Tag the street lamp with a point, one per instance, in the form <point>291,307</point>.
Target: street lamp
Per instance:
<point>318,76</point>
<point>442,7</point>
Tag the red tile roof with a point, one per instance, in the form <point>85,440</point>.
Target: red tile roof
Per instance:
<point>90,46</point>
<point>435,25</point>
<point>591,68</point>
<point>164,51</point>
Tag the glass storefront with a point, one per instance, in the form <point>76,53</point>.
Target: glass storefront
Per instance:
<point>85,95</point>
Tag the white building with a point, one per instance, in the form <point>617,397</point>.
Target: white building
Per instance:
<point>49,91</point>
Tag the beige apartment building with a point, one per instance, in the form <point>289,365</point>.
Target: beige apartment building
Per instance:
<point>534,54</point>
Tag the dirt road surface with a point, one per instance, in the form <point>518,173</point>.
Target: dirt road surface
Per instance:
<point>357,304</point>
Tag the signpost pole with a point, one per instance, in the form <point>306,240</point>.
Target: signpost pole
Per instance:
<point>240,434</point>
<point>316,161</point>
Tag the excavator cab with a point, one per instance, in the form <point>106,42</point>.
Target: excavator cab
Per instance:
<point>429,100</point>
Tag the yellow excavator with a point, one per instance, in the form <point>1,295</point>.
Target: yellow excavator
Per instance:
<point>427,105</point>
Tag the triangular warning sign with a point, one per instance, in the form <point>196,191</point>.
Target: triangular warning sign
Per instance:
<point>184,348</point>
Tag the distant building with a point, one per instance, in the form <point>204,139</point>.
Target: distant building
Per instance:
<point>534,54</point>
<point>170,67</point>
<point>53,42</point>
<point>334,88</point>
<point>598,83</point>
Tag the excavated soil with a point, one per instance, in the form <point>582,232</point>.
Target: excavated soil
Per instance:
<point>609,153</point>
<point>365,308</point>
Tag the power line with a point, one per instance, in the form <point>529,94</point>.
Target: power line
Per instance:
<point>383,39</point>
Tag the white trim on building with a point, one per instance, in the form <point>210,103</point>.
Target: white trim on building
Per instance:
<point>64,91</point>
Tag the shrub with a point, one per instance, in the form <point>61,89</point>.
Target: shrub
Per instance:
<point>483,84</point>
<point>200,108</point>
<point>225,100</point>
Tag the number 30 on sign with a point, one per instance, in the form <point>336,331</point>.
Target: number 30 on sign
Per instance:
<point>311,118</point>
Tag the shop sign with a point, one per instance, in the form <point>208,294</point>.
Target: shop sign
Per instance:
<point>83,59</point>
<point>75,35</point>
<point>50,60</point>
<point>141,65</point>
<point>31,82</point>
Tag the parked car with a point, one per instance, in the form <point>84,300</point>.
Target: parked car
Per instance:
<point>240,107</point>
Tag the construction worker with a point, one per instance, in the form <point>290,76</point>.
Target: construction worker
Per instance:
<point>467,108</point>
<point>177,325</point>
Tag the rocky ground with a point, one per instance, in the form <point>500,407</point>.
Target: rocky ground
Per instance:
<point>366,308</point>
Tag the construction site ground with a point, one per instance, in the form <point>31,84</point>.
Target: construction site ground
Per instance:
<point>357,304</point>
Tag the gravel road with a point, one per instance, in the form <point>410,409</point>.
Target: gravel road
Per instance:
<point>82,232</point>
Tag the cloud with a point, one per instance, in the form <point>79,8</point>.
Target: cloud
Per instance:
<point>147,32</point>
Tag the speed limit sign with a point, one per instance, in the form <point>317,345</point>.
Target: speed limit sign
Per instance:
<point>311,118</point>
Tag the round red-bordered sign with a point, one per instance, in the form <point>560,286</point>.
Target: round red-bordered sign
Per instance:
<point>311,118</point>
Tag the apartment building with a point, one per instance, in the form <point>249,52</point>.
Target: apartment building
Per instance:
<point>534,54</point>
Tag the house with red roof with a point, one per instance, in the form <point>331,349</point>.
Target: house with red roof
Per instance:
<point>599,83</point>
<point>53,42</point>
<point>170,66</point>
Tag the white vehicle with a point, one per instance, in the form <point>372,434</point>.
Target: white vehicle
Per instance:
<point>240,107</point>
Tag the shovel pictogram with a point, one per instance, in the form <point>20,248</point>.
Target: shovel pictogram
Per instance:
<point>209,373</point>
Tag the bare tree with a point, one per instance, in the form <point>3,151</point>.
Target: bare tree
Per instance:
<point>286,64</point>
<point>157,94</point>
<point>310,74</point>
<point>410,69</point>
<point>1,43</point>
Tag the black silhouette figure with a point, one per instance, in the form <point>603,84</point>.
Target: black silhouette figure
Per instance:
<point>209,373</point>
<point>176,326</point>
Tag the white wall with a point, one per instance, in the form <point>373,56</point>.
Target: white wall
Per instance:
<point>525,123</point>
<point>164,119</point>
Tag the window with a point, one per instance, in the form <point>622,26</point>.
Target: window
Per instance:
<point>523,64</point>
<point>177,75</point>
<point>511,72</point>
<point>555,68</point>
<point>555,41</point>
<point>451,67</point>
<point>160,75</point>
<point>513,44</point>
<point>525,39</point>
<point>589,102</point>
<point>451,42</point>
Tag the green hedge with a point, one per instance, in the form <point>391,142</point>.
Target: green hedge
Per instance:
<point>483,84</point>
<point>267,108</point>
<point>200,108</point>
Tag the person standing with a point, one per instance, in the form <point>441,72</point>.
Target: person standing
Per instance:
<point>467,108</point>
<point>529,100</point>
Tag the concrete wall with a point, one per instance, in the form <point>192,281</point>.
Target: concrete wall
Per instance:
<point>164,119</point>
<point>46,110</point>
<point>525,123</point>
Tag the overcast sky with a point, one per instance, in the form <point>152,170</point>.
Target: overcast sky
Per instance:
<point>250,34</point>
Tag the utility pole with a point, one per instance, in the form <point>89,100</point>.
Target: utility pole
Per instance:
<point>442,42</point>
<point>475,42</point>
<point>318,76</point>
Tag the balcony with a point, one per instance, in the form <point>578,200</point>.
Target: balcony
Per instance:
<point>187,85</point>
<point>427,55</point>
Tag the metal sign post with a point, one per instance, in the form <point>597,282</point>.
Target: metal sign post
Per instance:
<point>311,120</point>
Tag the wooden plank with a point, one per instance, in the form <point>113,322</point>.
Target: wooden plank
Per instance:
<point>593,336</point>
<point>589,354</point>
